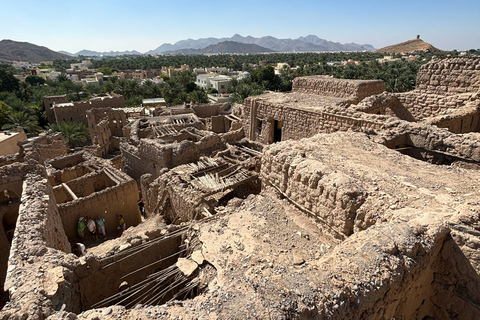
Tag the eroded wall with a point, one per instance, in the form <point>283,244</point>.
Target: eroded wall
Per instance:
<point>120,198</point>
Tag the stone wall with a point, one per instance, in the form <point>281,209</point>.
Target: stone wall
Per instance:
<point>332,196</point>
<point>148,156</point>
<point>77,111</point>
<point>49,101</point>
<point>403,134</point>
<point>301,123</point>
<point>92,273</point>
<point>116,119</point>
<point>120,198</point>
<point>209,109</point>
<point>46,147</point>
<point>446,76</point>
<point>353,90</point>
<point>36,280</point>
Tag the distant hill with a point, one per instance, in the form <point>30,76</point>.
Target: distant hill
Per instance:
<point>409,46</point>
<point>224,47</point>
<point>91,53</point>
<point>23,51</point>
<point>302,44</point>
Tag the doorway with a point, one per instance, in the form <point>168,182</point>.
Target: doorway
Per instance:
<point>277,131</point>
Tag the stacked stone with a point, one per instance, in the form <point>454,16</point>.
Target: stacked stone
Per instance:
<point>330,195</point>
<point>354,90</point>
<point>450,76</point>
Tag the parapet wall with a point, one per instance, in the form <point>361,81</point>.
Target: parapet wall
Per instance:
<point>301,123</point>
<point>448,75</point>
<point>354,90</point>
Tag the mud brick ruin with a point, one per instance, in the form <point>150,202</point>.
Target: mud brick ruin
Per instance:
<point>337,200</point>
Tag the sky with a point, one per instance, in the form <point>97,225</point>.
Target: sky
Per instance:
<point>120,25</point>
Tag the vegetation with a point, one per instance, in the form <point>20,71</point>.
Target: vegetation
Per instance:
<point>76,134</point>
<point>21,104</point>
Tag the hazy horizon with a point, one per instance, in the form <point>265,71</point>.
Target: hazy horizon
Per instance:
<point>125,26</point>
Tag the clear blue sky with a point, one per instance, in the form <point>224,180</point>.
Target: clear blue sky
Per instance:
<point>119,25</point>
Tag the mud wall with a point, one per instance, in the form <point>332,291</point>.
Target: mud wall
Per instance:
<point>119,199</point>
<point>77,111</point>
<point>63,162</point>
<point>36,279</point>
<point>209,110</point>
<point>297,123</point>
<point>399,271</point>
<point>332,196</point>
<point>448,75</point>
<point>354,90</point>
<point>97,284</point>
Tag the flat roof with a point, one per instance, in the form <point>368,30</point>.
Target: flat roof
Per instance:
<point>153,100</point>
<point>7,136</point>
<point>301,101</point>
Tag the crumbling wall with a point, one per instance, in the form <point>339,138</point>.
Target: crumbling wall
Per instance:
<point>210,109</point>
<point>65,161</point>
<point>445,89</point>
<point>49,101</point>
<point>38,279</point>
<point>398,271</point>
<point>116,119</point>
<point>353,90</point>
<point>77,111</point>
<point>463,120</point>
<point>332,196</point>
<point>447,75</point>
<point>301,123</point>
<point>46,147</point>
<point>398,134</point>
<point>101,277</point>
<point>118,199</point>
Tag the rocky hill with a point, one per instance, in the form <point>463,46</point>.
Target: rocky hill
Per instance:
<point>23,51</point>
<point>409,46</point>
<point>224,47</point>
<point>302,44</point>
<point>91,53</point>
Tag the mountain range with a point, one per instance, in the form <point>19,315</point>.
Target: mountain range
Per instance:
<point>302,44</point>
<point>23,51</point>
<point>225,47</point>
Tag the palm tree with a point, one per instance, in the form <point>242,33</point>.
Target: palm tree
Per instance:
<point>198,96</point>
<point>24,119</point>
<point>244,90</point>
<point>77,89</point>
<point>74,133</point>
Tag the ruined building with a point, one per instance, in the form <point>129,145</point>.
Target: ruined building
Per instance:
<point>334,201</point>
<point>58,108</point>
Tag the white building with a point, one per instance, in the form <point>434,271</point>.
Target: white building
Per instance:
<point>212,81</point>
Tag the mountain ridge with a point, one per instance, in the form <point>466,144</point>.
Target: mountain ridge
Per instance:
<point>224,47</point>
<point>303,44</point>
<point>11,50</point>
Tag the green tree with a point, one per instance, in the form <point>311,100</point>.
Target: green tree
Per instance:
<point>76,134</point>
<point>5,110</point>
<point>23,119</point>
<point>198,96</point>
<point>107,71</point>
<point>34,80</point>
<point>7,81</point>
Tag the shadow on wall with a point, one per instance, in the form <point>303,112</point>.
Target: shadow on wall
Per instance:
<point>9,206</point>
